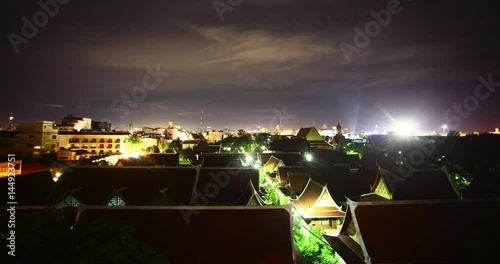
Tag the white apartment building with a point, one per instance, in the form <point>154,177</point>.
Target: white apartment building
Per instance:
<point>96,143</point>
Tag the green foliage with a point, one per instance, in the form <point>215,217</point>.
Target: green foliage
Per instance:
<point>244,143</point>
<point>285,200</point>
<point>312,245</point>
<point>458,176</point>
<point>272,195</point>
<point>175,145</point>
<point>133,143</point>
<point>44,235</point>
<point>360,148</point>
<point>262,140</point>
<point>152,149</point>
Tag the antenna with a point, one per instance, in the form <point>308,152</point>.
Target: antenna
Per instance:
<point>201,120</point>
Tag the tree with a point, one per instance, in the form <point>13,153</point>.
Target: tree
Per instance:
<point>244,143</point>
<point>175,145</point>
<point>133,143</point>
<point>312,245</point>
<point>459,177</point>
<point>152,149</point>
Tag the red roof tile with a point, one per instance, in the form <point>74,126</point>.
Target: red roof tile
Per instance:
<point>211,235</point>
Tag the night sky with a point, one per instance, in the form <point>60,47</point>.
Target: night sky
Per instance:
<point>265,57</point>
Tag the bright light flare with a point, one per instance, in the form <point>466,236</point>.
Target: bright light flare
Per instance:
<point>404,128</point>
<point>309,157</point>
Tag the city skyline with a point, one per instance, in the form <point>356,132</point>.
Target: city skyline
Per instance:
<point>242,67</point>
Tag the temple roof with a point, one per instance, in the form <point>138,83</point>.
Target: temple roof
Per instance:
<point>272,164</point>
<point>424,231</point>
<point>417,184</point>
<point>222,160</point>
<point>316,202</point>
<point>309,134</point>
<point>341,182</point>
<point>199,234</point>
<point>136,185</point>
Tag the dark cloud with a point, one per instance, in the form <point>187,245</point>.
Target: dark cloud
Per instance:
<point>264,56</point>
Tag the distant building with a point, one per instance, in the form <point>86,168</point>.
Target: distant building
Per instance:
<point>312,135</point>
<point>156,131</point>
<point>77,123</point>
<point>101,126</point>
<point>96,143</point>
<point>37,138</point>
<point>215,136</point>
<point>339,138</point>
<point>172,133</point>
<point>4,168</point>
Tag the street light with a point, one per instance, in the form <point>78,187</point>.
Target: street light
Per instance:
<point>444,129</point>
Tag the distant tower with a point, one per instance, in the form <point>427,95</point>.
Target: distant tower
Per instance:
<point>11,122</point>
<point>201,121</point>
<point>339,138</point>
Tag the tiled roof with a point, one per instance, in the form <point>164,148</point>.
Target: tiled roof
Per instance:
<point>289,145</point>
<point>298,181</point>
<point>136,185</point>
<point>30,188</point>
<point>208,235</point>
<point>288,158</point>
<point>426,231</point>
<point>159,159</point>
<point>222,160</point>
<point>224,185</point>
<point>340,181</point>
<point>271,165</point>
<point>417,185</point>
<point>308,202</point>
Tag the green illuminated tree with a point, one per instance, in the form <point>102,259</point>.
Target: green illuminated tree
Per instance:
<point>458,176</point>
<point>312,245</point>
<point>133,143</point>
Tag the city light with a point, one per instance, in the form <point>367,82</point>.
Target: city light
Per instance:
<point>309,157</point>
<point>404,128</point>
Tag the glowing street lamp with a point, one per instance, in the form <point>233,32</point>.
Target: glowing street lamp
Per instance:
<point>309,157</point>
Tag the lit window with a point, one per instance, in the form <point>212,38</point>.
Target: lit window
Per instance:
<point>69,201</point>
<point>116,201</point>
